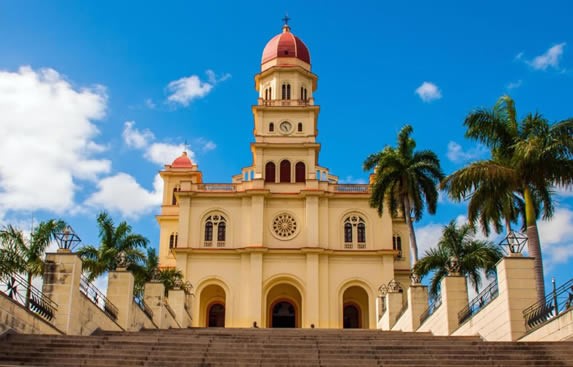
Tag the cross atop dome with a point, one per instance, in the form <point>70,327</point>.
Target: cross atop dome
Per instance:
<point>286,27</point>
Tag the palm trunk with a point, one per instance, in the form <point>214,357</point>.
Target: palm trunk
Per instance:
<point>28,290</point>
<point>413,243</point>
<point>533,243</point>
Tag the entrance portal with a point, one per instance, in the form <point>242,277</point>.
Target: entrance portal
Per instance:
<point>283,315</point>
<point>351,317</point>
<point>216,315</point>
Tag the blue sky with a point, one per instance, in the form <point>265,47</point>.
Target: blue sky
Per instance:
<point>96,96</point>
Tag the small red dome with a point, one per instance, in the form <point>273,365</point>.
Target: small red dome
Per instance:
<point>182,161</point>
<point>285,44</point>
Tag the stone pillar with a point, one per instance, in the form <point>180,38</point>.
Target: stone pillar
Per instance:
<point>454,298</point>
<point>516,284</point>
<point>256,289</point>
<point>178,301</point>
<point>155,297</point>
<point>311,304</point>
<point>257,213</point>
<point>312,221</point>
<point>62,285</point>
<point>417,304</point>
<point>120,293</point>
<point>393,302</point>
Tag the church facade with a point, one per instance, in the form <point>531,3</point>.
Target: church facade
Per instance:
<point>284,244</point>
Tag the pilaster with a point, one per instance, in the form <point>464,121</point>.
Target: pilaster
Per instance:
<point>120,293</point>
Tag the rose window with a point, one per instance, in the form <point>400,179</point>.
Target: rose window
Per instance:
<point>284,226</point>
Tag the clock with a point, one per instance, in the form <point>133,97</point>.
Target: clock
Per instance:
<point>285,127</point>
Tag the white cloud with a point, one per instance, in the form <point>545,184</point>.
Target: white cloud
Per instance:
<point>550,58</point>
<point>564,191</point>
<point>185,90</point>
<point>122,194</point>
<point>163,153</point>
<point>428,237</point>
<point>457,154</point>
<point>556,236</point>
<point>428,92</point>
<point>47,139</point>
<point>135,138</point>
<point>514,85</point>
<point>150,104</point>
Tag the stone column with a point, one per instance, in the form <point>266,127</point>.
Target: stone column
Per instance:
<point>257,213</point>
<point>155,297</point>
<point>256,289</point>
<point>454,298</point>
<point>393,302</point>
<point>120,293</point>
<point>312,220</point>
<point>178,302</point>
<point>62,285</point>
<point>311,304</point>
<point>417,304</point>
<point>516,284</point>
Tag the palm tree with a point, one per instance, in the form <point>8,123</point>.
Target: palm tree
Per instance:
<point>528,159</point>
<point>113,240</point>
<point>458,252</point>
<point>406,181</point>
<point>145,273</point>
<point>22,255</point>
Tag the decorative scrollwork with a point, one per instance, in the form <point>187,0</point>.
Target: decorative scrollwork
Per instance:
<point>394,286</point>
<point>284,226</point>
<point>121,259</point>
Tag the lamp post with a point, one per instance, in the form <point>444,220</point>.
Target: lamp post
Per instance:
<point>513,243</point>
<point>67,240</point>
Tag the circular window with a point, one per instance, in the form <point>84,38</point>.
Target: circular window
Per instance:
<point>284,226</point>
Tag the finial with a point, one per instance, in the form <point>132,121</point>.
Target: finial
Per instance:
<point>286,27</point>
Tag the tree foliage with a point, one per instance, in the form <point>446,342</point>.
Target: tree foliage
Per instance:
<point>458,252</point>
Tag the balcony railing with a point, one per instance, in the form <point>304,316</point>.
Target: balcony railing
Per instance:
<point>221,187</point>
<point>351,188</point>
<point>14,286</point>
<point>554,304</point>
<point>432,307</point>
<point>97,298</point>
<point>479,302</point>
<point>286,102</point>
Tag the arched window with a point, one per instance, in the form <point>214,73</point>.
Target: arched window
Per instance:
<point>221,229</point>
<point>348,233</point>
<point>173,197</point>
<point>208,231</point>
<point>286,91</point>
<point>285,171</point>
<point>271,127</point>
<point>397,245</point>
<point>354,232</point>
<point>303,93</point>
<point>173,240</point>
<point>299,127</point>
<point>361,233</point>
<point>270,172</point>
<point>300,172</point>
<point>215,222</point>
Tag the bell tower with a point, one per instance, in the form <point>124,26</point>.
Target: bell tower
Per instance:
<point>285,117</point>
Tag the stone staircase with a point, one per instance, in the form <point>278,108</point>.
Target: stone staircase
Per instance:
<point>274,347</point>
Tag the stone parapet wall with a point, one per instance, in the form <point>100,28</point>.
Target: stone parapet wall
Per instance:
<point>15,317</point>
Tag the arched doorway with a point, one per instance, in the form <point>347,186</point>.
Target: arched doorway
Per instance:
<point>351,318</point>
<point>283,315</point>
<point>355,308</point>
<point>216,315</point>
<point>283,306</point>
<point>212,301</point>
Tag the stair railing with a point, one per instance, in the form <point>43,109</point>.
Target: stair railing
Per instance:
<point>14,286</point>
<point>484,298</point>
<point>559,301</point>
<point>97,298</point>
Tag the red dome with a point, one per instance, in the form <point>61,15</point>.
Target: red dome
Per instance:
<point>285,44</point>
<point>182,162</point>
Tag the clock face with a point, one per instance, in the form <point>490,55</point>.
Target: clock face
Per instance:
<point>285,127</point>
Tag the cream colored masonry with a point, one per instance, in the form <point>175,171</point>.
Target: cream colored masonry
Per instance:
<point>283,241</point>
